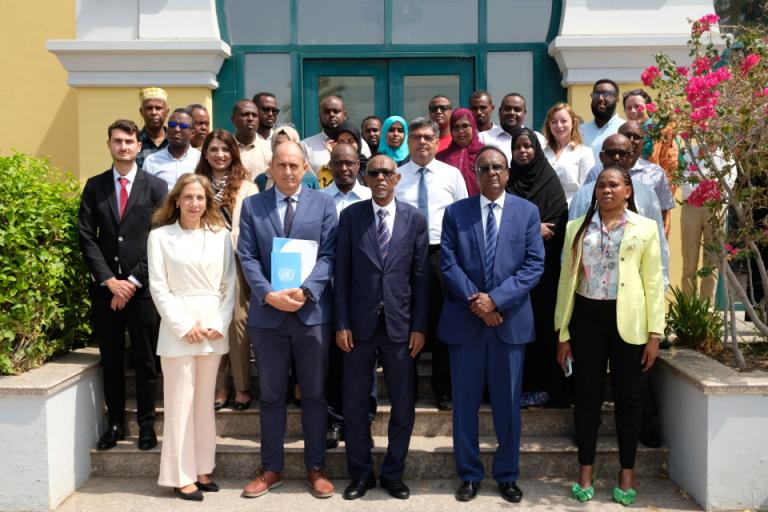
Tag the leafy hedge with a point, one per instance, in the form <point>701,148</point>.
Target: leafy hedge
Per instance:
<point>43,281</point>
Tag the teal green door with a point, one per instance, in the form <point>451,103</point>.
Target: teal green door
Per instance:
<point>384,87</point>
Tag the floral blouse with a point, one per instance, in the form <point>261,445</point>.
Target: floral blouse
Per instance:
<point>599,278</point>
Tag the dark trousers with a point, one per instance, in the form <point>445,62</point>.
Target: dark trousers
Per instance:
<point>273,347</point>
<point>334,388</point>
<point>140,318</point>
<point>595,341</point>
<point>499,365</point>
<point>399,376</point>
<point>441,366</point>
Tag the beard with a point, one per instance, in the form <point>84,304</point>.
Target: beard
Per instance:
<point>604,115</point>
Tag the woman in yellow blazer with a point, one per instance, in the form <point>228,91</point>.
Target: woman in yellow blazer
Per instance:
<point>610,307</point>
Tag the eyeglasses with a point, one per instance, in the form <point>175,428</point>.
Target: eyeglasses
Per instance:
<point>616,152</point>
<point>374,173</point>
<point>343,163</point>
<point>485,169</point>
<point>421,136</point>
<point>633,136</point>
<point>270,110</point>
<point>602,94</point>
<point>174,124</point>
<point>441,108</point>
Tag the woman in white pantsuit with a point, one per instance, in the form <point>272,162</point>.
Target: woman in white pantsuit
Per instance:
<point>192,281</point>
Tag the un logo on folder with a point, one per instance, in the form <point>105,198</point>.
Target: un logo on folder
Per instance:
<point>286,274</point>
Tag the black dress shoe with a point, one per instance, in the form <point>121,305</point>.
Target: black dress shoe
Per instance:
<point>209,487</point>
<point>396,488</point>
<point>444,403</point>
<point>147,437</point>
<point>110,438</point>
<point>358,488</point>
<point>333,436</point>
<point>467,490</point>
<point>510,491</point>
<point>196,495</point>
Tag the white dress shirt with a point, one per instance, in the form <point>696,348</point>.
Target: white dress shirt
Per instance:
<point>318,155</point>
<point>647,173</point>
<point>389,219</point>
<point>571,167</point>
<point>131,177</point>
<point>484,202</point>
<point>500,139</point>
<point>192,281</point>
<point>593,136</point>
<point>358,193</point>
<point>282,205</point>
<point>445,186</point>
<point>163,165</point>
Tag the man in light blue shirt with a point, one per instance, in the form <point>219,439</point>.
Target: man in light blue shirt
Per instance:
<point>178,157</point>
<point>346,189</point>
<point>604,95</point>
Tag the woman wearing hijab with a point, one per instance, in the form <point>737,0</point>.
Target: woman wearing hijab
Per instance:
<point>394,139</point>
<point>464,147</point>
<point>531,177</point>
<point>345,133</point>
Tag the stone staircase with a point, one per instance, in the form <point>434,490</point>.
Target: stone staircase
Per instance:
<point>547,448</point>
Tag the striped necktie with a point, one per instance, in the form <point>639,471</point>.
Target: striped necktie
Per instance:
<point>491,235</point>
<point>384,235</point>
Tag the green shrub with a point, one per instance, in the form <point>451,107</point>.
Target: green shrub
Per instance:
<point>43,280</point>
<point>694,323</point>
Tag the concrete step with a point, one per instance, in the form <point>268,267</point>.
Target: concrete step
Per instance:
<point>428,458</point>
<point>429,421</point>
<point>424,391</point>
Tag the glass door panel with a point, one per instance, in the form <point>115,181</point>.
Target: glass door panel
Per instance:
<point>413,82</point>
<point>419,89</point>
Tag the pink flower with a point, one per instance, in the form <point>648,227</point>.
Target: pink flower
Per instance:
<point>693,167</point>
<point>682,70</point>
<point>704,24</point>
<point>749,62</point>
<point>677,110</point>
<point>684,135</point>
<point>707,190</point>
<point>651,108</point>
<point>702,64</point>
<point>649,75</point>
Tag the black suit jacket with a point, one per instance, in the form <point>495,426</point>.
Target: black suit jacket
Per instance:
<point>113,247</point>
<point>363,283</point>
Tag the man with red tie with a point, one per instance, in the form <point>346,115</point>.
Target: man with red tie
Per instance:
<point>114,223</point>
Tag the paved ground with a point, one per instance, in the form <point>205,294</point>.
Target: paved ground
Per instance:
<point>143,495</point>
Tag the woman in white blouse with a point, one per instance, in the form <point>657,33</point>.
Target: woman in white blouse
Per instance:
<point>570,159</point>
<point>192,281</point>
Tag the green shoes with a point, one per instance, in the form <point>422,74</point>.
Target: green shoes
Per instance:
<point>583,493</point>
<point>625,498</point>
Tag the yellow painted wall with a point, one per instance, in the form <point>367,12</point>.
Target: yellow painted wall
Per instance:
<point>39,110</point>
<point>578,97</point>
<point>100,106</point>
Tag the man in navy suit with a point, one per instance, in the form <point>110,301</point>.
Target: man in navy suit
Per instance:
<point>381,306</point>
<point>293,321</point>
<point>491,256</point>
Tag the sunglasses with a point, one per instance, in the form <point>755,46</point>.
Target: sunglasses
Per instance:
<point>374,173</point>
<point>496,168</point>
<point>441,108</point>
<point>616,152</point>
<point>174,124</point>
<point>270,110</point>
<point>343,163</point>
<point>603,94</point>
<point>633,136</point>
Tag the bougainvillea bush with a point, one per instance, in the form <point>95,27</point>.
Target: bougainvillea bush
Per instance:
<point>718,106</point>
<point>43,280</point>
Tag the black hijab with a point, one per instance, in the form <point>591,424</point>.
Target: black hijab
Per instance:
<point>538,183</point>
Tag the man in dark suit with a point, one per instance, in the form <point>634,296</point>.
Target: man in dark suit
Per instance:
<point>293,321</point>
<point>492,254</point>
<point>114,223</point>
<point>381,306</point>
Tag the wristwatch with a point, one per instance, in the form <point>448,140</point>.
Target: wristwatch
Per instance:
<point>306,292</point>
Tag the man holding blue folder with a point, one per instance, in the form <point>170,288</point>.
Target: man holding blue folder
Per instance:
<point>295,320</point>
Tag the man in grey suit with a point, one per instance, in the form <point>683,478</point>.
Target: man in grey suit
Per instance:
<point>293,321</point>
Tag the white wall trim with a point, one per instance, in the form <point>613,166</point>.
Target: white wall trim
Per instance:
<point>585,59</point>
<point>131,63</point>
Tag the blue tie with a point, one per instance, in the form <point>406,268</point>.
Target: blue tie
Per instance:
<point>491,234</point>
<point>423,194</point>
<point>288,216</point>
<point>383,234</point>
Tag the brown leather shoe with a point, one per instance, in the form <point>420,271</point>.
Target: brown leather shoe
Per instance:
<point>319,485</point>
<point>264,481</point>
